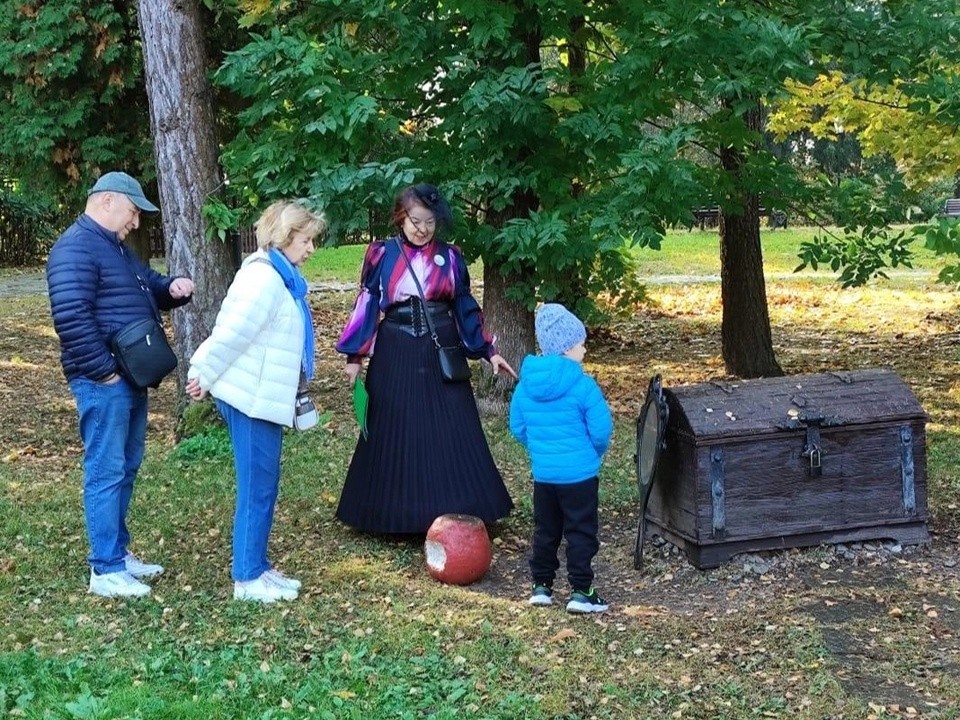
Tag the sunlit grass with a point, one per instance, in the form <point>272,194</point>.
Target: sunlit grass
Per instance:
<point>684,255</point>
<point>697,252</point>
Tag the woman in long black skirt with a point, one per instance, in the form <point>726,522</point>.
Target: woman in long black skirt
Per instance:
<point>425,453</point>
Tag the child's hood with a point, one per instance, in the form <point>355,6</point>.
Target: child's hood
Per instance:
<point>547,377</point>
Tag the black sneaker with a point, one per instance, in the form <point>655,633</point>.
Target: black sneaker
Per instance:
<point>542,595</point>
<point>586,601</point>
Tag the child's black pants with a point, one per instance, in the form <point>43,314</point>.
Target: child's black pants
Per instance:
<point>565,511</point>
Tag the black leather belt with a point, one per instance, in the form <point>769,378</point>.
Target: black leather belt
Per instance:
<point>409,315</point>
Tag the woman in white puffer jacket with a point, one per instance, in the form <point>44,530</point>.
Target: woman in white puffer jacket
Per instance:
<point>259,351</point>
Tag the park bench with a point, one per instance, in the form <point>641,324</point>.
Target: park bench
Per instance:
<point>706,216</point>
<point>951,208</point>
<point>710,217</point>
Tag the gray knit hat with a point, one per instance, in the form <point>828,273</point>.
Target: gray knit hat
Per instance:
<point>558,329</point>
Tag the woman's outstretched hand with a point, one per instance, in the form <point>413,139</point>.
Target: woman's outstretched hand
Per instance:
<point>498,363</point>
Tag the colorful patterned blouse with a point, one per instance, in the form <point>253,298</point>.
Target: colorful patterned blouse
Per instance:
<point>385,281</point>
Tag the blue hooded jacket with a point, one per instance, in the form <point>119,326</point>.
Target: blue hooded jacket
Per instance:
<point>559,414</point>
<point>97,285</point>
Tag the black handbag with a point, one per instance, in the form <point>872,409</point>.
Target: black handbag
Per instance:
<point>453,362</point>
<point>454,367</point>
<point>142,353</point>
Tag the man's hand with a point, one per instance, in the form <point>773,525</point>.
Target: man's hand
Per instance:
<point>181,287</point>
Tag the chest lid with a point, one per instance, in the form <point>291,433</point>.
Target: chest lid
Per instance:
<point>723,410</point>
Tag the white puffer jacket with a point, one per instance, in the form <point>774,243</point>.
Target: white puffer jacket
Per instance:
<point>252,358</point>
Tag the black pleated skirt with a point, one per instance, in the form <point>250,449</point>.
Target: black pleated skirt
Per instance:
<point>426,453</point>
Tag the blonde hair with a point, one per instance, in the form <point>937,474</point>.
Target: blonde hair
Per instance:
<point>284,219</point>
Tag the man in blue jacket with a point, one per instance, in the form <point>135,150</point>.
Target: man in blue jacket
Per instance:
<point>97,286</point>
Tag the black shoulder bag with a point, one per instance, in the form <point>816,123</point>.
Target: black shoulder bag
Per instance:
<point>454,367</point>
<point>140,348</point>
<point>142,353</point>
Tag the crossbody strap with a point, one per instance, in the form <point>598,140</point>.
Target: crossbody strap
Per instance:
<point>423,300</point>
<point>144,287</point>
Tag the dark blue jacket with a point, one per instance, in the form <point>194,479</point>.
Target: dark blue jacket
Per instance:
<point>97,285</point>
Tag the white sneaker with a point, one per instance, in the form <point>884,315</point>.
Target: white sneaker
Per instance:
<point>117,584</point>
<point>264,589</point>
<point>282,580</point>
<point>139,569</point>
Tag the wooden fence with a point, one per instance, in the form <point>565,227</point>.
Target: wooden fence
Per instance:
<point>23,240</point>
<point>246,237</point>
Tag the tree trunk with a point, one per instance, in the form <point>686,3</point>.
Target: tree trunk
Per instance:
<point>508,319</point>
<point>745,332</point>
<point>512,324</point>
<point>185,146</point>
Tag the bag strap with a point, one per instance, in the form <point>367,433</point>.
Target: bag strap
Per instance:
<point>423,300</point>
<point>125,253</point>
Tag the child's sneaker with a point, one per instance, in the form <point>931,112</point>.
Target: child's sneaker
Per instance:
<point>542,595</point>
<point>586,601</point>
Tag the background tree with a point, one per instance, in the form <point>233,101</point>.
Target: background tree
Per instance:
<point>889,77</point>
<point>733,60</point>
<point>545,158</point>
<point>74,101</point>
<point>183,128</point>
<point>71,83</point>
<point>565,133</point>
<point>727,64</point>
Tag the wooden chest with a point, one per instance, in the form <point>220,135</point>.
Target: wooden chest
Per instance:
<point>789,462</point>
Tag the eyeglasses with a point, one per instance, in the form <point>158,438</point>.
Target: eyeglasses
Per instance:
<point>422,224</point>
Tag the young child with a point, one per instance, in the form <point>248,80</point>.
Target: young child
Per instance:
<point>559,414</point>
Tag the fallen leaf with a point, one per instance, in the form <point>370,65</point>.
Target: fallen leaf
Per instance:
<point>642,611</point>
<point>564,634</point>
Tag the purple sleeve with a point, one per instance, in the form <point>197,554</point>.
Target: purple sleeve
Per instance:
<point>360,332</point>
<point>476,340</point>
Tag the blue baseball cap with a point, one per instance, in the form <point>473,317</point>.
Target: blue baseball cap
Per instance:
<point>122,183</point>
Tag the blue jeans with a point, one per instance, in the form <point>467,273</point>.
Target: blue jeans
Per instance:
<point>256,458</point>
<point>113,427</point>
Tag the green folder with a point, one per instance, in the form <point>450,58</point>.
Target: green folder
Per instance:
<point>361,401</point>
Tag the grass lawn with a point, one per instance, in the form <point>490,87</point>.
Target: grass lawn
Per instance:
<point>698,253</point>
<point>862,632</point>
<point>684,254</point>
